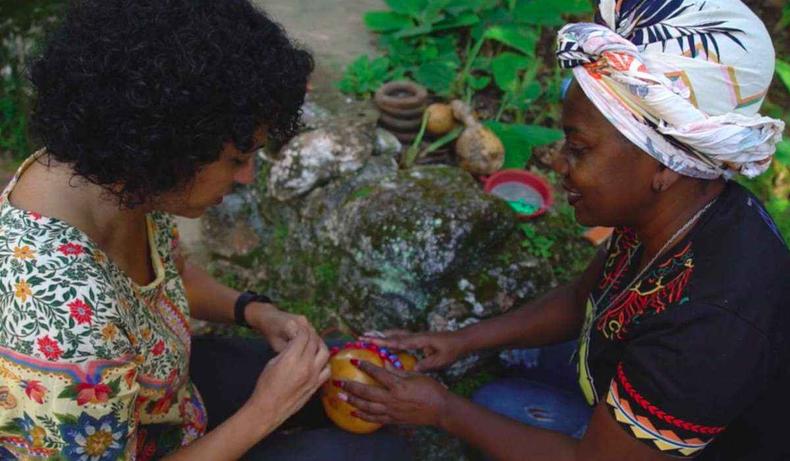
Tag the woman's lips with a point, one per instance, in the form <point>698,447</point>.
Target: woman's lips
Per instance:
<point>573,196</point>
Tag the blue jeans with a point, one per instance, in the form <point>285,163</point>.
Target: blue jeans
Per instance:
<point>541,391</point>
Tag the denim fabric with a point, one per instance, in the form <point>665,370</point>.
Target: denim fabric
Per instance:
<point>225,371</point>
<point>540,390</point>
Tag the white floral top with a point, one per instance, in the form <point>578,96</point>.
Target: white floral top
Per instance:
<point>92,366</point>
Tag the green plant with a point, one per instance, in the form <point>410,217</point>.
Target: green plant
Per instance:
<point>23,27</point>
<point>783,71</point>
<point>364,76</point>
<point>784,21</point>
<point>472,49</point>
<point>450,45</point>
<point>536,244</point>
<point>13,118</point>
<point>520,139</point>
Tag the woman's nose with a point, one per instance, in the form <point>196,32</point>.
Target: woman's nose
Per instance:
<point>246,175</point>
<point>560,163</point>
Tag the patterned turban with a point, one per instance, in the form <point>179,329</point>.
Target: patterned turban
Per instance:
<point>681,79</point>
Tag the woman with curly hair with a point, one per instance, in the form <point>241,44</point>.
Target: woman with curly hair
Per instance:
<point>149,109</point>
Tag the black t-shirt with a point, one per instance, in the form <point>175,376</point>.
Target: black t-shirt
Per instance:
<point>693,359</point>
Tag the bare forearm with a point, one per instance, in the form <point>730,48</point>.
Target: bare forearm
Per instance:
<point>212,301</point>
<point>208,299</point>
<point>503,438</point>
<point>553,318</point>
<point>230,440</point>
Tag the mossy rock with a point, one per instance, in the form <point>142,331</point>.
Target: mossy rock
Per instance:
<point>382,248</point>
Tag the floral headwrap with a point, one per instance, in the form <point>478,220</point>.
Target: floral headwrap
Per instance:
<point>681,79</point>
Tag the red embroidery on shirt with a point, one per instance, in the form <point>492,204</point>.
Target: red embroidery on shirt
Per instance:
<point>659,289</point>
<point>661,414</point>
<point>625,243</point>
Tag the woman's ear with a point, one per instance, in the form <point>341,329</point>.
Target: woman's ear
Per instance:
<point>663,179</point>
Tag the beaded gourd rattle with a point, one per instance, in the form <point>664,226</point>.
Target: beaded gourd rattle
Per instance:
<point>340,411</point>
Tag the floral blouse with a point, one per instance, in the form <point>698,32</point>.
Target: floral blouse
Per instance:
<point>92,366</point>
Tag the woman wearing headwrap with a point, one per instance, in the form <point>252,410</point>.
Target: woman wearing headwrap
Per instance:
<point>682,321</point>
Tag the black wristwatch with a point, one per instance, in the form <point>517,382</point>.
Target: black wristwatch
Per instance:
<point>241,305</point>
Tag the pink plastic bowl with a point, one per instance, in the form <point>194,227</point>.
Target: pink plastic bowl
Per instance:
<point>533,187</point>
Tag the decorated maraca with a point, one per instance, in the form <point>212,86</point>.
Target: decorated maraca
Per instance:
<point>338,410</point>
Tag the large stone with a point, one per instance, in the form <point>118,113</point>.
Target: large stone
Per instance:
<point>317,156</point>
<point>378,248</point>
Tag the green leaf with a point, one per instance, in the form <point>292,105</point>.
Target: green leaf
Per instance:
<point>518,37</point>
<point>434,12</point>
<point>460,6</point>
<point>379,67</point>
<point>783,70</point>
<point>462,20</point>
<point>414,31</point>
<point>506,68</point>
<point>536,244</point>
<point>519,140</point>
<point>386,21</point>
<point>400,52</point>
<point>364,76</point>
<point>410,7</point>
<point>437,76</point>
<point>549,13</point>
<point>784,21</point>
<point>482,63</point>
<point>478,83</point>
<point>783,152</point>
<point>528,94</point>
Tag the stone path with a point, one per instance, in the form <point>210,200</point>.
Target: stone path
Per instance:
<point>334,32</point>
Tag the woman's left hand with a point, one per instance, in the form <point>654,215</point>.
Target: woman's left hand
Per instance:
<point>276,326</point>
<point>405,398</point>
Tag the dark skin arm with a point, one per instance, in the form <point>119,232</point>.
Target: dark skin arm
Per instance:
<point>556,317</point>
<point>411,398</point>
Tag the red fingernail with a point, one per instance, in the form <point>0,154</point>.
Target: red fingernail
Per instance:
<point>355,362</point>
<point>337,383</point>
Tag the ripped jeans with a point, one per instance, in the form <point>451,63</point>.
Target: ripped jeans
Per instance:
<point>541,389</point>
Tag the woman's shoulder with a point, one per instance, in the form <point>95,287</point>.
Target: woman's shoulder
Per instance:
<point>740,253</point>
<point>739,219</point>
<point>58,302</point>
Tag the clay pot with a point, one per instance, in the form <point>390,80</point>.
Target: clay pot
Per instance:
<point>402,104</point>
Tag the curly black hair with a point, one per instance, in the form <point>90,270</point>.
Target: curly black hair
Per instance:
<point>136,95</point>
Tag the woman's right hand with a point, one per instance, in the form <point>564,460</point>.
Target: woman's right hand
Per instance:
<point>284,386</point>
<point>292,377</point>
<point>440,349</point>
